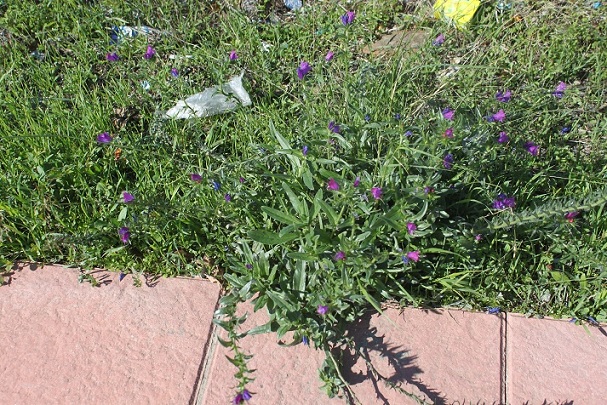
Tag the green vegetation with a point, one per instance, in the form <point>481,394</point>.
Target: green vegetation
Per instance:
<point>390,174</point>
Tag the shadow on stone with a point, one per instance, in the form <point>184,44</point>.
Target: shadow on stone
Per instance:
<point>388,365</point>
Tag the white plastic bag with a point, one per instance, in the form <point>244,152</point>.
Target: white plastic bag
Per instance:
<point>213,100</point>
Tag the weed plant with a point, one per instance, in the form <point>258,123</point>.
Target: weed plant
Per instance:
<point>467,170</point>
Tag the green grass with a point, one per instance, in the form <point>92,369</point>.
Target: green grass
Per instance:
<point>61,193</point>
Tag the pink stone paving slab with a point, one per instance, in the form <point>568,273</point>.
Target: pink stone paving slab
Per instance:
<point>71,343</point>
<point>555,362</point>
<point>285,375</point>
<point>442,356</point>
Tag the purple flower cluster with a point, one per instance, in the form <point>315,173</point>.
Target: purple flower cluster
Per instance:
<point>503,201</point>
<point>376,192</point>
<point>503,97</point>
<point>332,185</point>
<point>559,92</point>
<point>149,53</point>
<point>448,161</point>
<point>333,127</point>
<point>439,40</point>
<point>242,396</point>
<point>303,69</point>
<point>348,18</point>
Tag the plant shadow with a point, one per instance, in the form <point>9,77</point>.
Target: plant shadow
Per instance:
<point>401,372</point>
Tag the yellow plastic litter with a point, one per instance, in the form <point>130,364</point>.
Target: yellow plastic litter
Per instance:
<point>459,12</point>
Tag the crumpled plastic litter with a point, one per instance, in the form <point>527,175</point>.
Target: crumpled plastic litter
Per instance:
<point>293,5</point>
<point>213,100</point>
<point>458,12</point>
<point>118,33</point>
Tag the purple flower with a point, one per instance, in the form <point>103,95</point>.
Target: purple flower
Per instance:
<point>397,116</point>
<point>329,56</point>
<point>367,117</point>
<point>174,72</point>
<point>112,57</point>
<point>228,198</point>
<point>493,310</point>
<point>478,237</point>
<point>448,161</point>
<point>565,130</point>
<point>414,255</point>
<point>408,133</point>
<point>124,234</point>
<point>411,227</point>
<point>216,185</point>
<point>241,179</point>
<point>405,259</point>
<point>503,201</point>
<point>249,266</point>
<point>532,148</point>
<point>348,18</point>
<point>448,133</point>
<point>245,395</point>
<point>503,137</point>
<point>503,97</point>
<point>104,138</point>
<point>303,69</point>
<point>570,216</point>
<point>332,185</point>
<point>304,150</point>
<point>499,116</point>
<point>305,341</point>
<point>341,255</point>
<point>333,127</point>
<point>233,55</point>
<point>439,40</point>
<point>121,276</point>
<point>149,53</point>
<point>428,190</point>
<point>127,197</point>
<point>559,92</point>
<point>356,181</point>
<point>195,177</point>
<point>448,114</point>
<point>376,192</point>
<point>322,309</point>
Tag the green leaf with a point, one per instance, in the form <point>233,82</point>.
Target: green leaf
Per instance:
<point>258,330</point>
<point>300,207</point>
<point>269,237</point>
<point>299,276</point>
<point>280,216</point>
<point>422,213</point>
<point>295,162</point>
<point>559,277</point>
<point>280,300</point>
<point>123,213</point>
<point>327,209</point>
<point>281,140</point>
<point>302,256</point>
<point>307,179</point>
<point>113,250</point>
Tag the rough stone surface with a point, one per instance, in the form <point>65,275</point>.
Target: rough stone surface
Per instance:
<point>555,362</point>
<point>441,356</point>
<point>69,343</point>
<point>284,375</point>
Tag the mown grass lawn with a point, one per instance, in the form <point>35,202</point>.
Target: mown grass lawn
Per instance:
<point>446,167</point>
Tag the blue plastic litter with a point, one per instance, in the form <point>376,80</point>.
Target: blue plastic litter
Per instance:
<point>118,33</point>
<point>293,5</point>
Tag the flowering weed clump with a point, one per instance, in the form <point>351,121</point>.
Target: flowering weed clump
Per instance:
<point>465,172</point>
